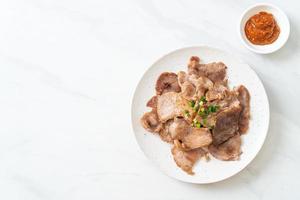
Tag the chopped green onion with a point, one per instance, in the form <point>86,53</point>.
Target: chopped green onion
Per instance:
<point>203,99</point>
<point>196,108</point>
<point>213,108</point>
<point>204,121</point>
<point>202,113</point>
<point>197,124</point>
<point>201,103</point>
<point>186,113</point>
<point>206,111</point>
<point>192,103</point>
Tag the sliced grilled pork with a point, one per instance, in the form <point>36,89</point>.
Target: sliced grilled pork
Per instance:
<point>167,82</point>
<point>215,71</point>
<point>218,92</point>
<point>194,60</point>
<point>188,90</point>
<point>226,124</point>
<point>184,109</point>
<point>186,159</point>
<point>164,132</point>
<point>182,77</point>
<point>229,99</point>
<point>244,98</point>
<point>167,106</point>
<point>197,137</point>
<point>152,103</point>
<point>150,122</point>
<point>202,84</point>
<point>229,150</point>
<point>179,128</point>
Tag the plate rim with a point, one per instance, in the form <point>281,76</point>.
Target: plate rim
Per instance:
<point>236,58</point>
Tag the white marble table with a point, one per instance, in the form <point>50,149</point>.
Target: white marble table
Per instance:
<point>68,70</point>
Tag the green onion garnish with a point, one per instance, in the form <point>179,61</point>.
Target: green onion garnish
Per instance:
<point>192,103</point>
<point>204,121</point>
<point>186,113</point>
<point>203,99</point>
<point>197,124</point>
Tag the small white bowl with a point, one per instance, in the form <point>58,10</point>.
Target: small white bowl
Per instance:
<point>282,22</point>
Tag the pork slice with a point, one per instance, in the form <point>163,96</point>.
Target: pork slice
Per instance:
<point>167,82</point>
<point>152,103</point>
<point>229,150</point>
<point>194,60</point>
<point>171,104</point>
<point>244,98</point>
<point>184,109</point>
<point>167,106</point>
<point>215,71</point>
<point>188,90</point>
<point>217,92</point>
<point>197,137</point>
<point>209,121</point>
<point>186,159</point>
<point>202,84</point>
<point>204,153</point>
<point>230,99</point>
<point>193,86</point>
<point>179,128</point>
<point>182,78</point>
<point>192,65</point>
<point>164,132</point>
<point>226,124</point>
<point>150,122</point>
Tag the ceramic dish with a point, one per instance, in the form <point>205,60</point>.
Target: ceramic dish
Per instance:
<point>238,73</point>
<point>282,22</point>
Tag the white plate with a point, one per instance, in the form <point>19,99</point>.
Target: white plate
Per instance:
<point>281,19</point>
<point>160,152</point>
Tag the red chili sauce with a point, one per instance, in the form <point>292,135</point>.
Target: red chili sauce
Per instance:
<point>262,29</point>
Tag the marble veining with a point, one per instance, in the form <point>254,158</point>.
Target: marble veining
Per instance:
<point>67,76</point>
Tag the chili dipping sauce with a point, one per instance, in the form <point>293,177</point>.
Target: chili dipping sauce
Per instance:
<point>262,29</point>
